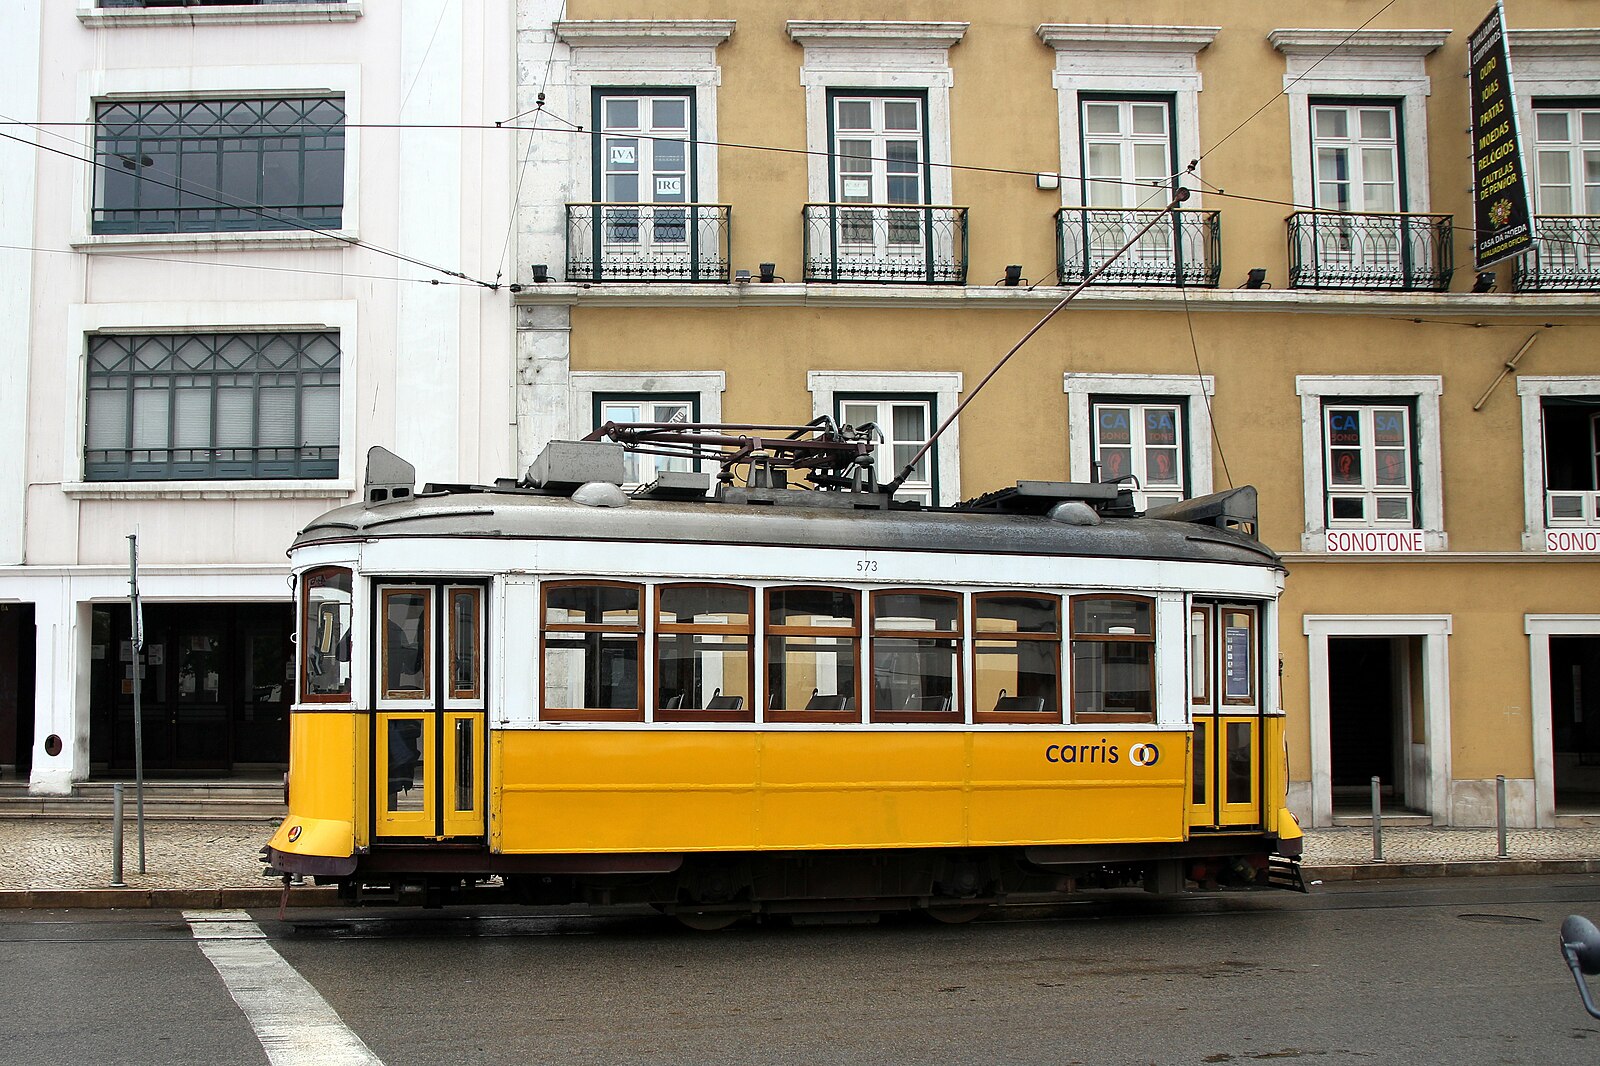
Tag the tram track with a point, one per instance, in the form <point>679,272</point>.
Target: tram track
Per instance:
<point>1469,900</point>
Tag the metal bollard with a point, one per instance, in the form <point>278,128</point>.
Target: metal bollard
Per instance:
<point>116,836</point>
<point>1377,823</point>
<point>1500,811</point>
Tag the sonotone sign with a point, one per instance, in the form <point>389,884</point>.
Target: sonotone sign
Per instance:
<point>1504,221</point>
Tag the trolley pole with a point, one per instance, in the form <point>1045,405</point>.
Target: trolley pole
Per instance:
<point>137,643</point>
<point>1377,823</point>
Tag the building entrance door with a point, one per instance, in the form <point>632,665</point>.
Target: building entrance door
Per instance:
<point>1375,731</point>
<point>1575,720</point>
<point>216,688</point>
<point>17,651</point>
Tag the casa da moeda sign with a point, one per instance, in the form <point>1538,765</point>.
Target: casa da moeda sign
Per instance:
<point>1374,541</point>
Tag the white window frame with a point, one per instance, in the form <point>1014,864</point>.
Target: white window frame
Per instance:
<point>709,385</point>
<point>1126,59</point>
<point>644,54</point>
<point>1533,391</point>
<point>655,463</point>
<point>877,55</point>
<point>216,83</point>
<point>1368,490</point>
<point>1354,63</point>
<point>945,387</point>
<point>883,453</point>
<point>1197,391</point>
<point>1424,390</point>
<point>335,315</point>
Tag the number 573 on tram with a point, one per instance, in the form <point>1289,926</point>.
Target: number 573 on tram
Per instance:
<point>773,699</point>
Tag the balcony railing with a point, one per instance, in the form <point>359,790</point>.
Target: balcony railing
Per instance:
<point>1184,249</point>
<point>1346,250</point>
<point>647,242</point>
<point>1565,256</point>
<point>905,243</point>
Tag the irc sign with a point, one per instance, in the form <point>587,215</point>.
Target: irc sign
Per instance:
<point>1374,541</point>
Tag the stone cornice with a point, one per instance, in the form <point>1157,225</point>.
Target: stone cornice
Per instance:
<point>636,32</point>
<point>1532,308</point>
<point>1358,43</point>
<point>858,34</point>
<point>1080,37</point>
<point>1563,43</point>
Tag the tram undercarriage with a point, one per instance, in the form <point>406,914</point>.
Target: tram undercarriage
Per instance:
<point>710,890</point>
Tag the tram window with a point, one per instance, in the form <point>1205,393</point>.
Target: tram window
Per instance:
<point>593,639</point>
<point>1017,657</point>
<point>704,669</point>
<point>465,644</point>
<point>1238,656</point>
<point>1200,656</point>
<point>916,657</point>
<point>813,640</point>
<point>325,613</point>
<point>405,614</point>
<point>1113,659</point>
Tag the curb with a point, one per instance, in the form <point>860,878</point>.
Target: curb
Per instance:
<point>1382,871</point>
<point>165,898</point>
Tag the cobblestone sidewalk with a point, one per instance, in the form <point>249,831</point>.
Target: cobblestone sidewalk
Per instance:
<point>43,853</point>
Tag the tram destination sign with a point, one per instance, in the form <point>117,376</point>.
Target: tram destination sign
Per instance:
<point>1501,212</point>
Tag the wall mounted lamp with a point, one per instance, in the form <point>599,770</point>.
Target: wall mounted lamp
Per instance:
<point>1484,281</point>
<point>1256,279</point>
<point>769,272</point>
<point>541,272</point>
<point>1013,275</point>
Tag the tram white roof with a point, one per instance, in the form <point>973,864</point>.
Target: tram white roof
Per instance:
<point>490,514</point>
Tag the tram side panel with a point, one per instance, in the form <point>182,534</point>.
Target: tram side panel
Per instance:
<point>612,791</point>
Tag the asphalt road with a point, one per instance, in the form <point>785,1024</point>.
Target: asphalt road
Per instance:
<point>1447,971</point>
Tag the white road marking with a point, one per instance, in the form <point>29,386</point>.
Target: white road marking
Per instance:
<point>295,1025</point>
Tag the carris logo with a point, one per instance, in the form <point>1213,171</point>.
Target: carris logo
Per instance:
<point>1144,754</point>
<point>294,833</point>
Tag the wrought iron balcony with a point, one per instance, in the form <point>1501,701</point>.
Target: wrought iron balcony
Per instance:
<point>1348,250</point>
<point>1565,256</point>
<point>1184,249</point>
<point>905,243</point>
<point>647,242</point>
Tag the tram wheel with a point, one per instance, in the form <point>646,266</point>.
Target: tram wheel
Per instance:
<point>958,914</point>
<point>707,921</point>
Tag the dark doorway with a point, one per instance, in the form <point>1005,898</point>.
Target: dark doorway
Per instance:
<point>17,649</point>
<point>1575,719</point>
<point>216,690</point>
<point>1364,708</point>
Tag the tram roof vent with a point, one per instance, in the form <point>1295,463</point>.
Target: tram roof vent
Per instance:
<point>389,477</point>
<point>566,464</point>
<point>676,485</point>
<point>1039,497</point>
<point>1233,510</point>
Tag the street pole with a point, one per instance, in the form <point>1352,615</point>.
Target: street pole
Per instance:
<point>138,685</point>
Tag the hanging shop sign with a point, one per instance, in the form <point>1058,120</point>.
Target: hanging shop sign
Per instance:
<point>1501,211</point>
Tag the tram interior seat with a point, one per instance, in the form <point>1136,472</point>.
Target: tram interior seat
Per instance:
<point>1018,703</point>
<point>927,703</point>
<point>719,702</point>
<point>819,702</point>
<point>674,703</point>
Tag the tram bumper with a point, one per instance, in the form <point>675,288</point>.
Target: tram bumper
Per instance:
<point>315,847</point>
<point>1291,839</point>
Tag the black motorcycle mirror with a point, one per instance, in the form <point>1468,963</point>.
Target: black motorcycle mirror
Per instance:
<point>1580,946</point>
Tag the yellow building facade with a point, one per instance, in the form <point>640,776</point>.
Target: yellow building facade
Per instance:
<point>733,212</point>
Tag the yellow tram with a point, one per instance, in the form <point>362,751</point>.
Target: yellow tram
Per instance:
<point>773,699</point>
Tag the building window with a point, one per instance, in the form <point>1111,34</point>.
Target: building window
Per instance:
<point>1370,447</point>
<point>878,155</point>
<point>210,166</point>
<point>643,150</point>
<point>678,407</point>
<point>1145,440</point>
<point>1128,158</point>
<point>1370,458</point>
<point>1355,152</point>
<point>1561,455</point>
<point>207,406</point>
<point>1154,426</point>
<point>906,406</point>
<point>904,424</point>
<point>1567,198</point>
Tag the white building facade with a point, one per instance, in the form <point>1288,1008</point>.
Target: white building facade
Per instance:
<point>244,243</point>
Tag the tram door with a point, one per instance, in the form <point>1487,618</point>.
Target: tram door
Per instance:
<point>429,727</point>
<point>1225,709</point>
